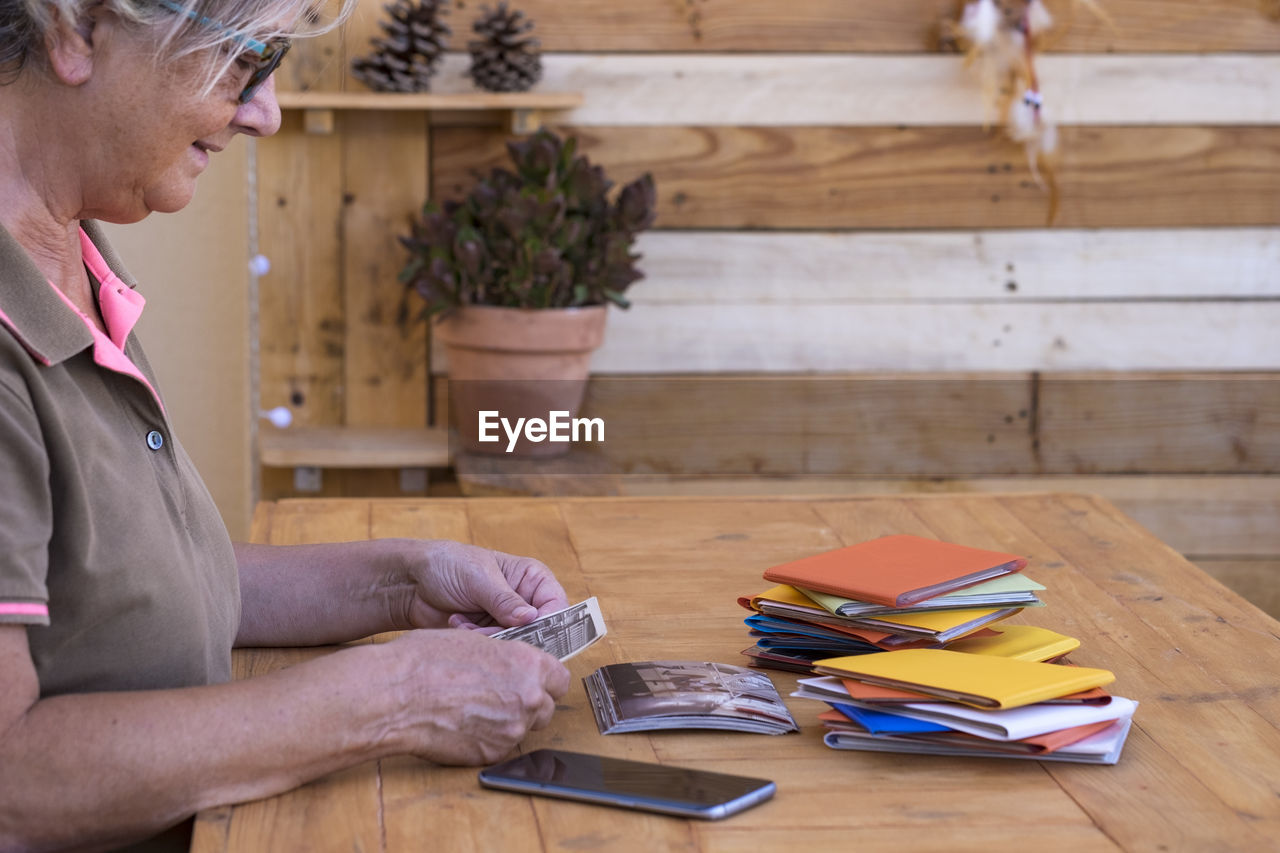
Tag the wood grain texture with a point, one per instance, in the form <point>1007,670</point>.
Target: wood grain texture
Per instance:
<point>885,337</point>
<point>1188,694</point>
<point>578,472</point>
<point>416,520</point>
<point>260,526</point>
<point>889,26</point>
<point>386,364</point>
<point>1149,657</point>
<point>1258,581</point>
<point>354,447</point>
<point>301,319</point>
<point>421,805</point>
<point>796,425</point>
<point>293,823</point>
<point>278,483</point>
<point>808,26</point>
<point>460,101</point>
<point>1228,519</point>
<point>321,62</point>
<point>1117,336</point>
<point>796,89</point>
<point>831,267</point>
<point>537,529</point>
<point>937,177</point>
<point>318,520</point>
<point>949,425</point>
<point>1171,634</point>
<point>829,202</point>
<point>1076,837</point>
<point>1156,424</point>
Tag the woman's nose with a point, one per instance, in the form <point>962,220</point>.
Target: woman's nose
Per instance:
<point>260,115</point>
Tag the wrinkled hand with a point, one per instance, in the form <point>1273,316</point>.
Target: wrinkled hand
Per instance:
<point>469,587</point>
<point>464,698</point>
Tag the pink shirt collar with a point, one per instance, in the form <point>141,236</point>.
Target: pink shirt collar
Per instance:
<point>52,329</point>
<point>121,305</point>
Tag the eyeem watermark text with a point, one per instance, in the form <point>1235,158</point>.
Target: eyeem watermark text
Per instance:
<point>558,427</point>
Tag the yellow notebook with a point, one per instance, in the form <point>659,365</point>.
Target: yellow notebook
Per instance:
<point>1024,642</point>
<point>937,621</point>
<point>979,680</point>
<point>930,622</point>
<point>938,626</point>
<point>783,594</point>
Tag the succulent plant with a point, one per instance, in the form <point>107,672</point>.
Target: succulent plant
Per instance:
<point>546,235</point>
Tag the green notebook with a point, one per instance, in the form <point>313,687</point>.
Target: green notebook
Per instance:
<point>1013,590</point>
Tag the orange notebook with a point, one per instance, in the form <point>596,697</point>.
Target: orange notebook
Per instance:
<point>896,571</point>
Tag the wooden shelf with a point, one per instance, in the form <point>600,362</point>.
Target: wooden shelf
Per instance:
<point>526,109</point>
<point>429,100</point>
<point>353,447</point>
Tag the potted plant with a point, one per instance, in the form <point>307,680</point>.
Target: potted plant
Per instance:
<point>517,277</point>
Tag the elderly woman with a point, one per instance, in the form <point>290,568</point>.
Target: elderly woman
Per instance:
<point>120,593</point>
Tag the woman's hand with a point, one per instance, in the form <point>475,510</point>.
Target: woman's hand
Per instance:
<point>465,586</point>
<point>298,595</point>
<point>463,698</point>
<point>136,761</point>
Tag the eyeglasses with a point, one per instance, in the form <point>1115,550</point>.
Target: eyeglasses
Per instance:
<point>262,56</point>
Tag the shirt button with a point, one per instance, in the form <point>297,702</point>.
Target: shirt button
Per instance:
<point>155,440</point>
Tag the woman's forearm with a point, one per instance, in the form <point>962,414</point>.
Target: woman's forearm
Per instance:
<point>120,766</point>
<point>317,594</point>
<point>96,770</point>
<point>304,595</point>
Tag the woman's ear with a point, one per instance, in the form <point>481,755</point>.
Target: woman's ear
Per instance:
<point>70,46</point>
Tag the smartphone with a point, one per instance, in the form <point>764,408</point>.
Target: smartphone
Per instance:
<point>628,784</point>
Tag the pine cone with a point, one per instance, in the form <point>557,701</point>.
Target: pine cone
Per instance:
<point>503,60</point>
<point>406,59</point>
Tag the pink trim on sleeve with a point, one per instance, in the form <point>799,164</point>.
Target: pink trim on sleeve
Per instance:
<point>22,608</point>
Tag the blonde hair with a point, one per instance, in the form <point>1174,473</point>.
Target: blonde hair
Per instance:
<point>25,23</point>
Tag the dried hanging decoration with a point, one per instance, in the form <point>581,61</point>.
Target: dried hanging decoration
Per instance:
<point>405,58</point>
<point>1001,38</point>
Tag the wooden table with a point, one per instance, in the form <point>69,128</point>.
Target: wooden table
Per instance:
<point>1201,770</point>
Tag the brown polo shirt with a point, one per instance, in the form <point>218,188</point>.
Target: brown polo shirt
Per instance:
<point>111,549</point>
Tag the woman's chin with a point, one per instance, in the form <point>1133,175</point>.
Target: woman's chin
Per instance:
<point>170,198</point>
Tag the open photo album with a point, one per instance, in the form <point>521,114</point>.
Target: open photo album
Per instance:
<point>649,695</point>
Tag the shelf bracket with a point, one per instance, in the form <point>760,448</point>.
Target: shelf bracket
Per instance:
<point>318,121</point>
<point>413,480</point>
<point>525,121</point>
<point>307,478</point>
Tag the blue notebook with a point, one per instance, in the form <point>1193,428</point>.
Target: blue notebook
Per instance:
<point>879,722</point>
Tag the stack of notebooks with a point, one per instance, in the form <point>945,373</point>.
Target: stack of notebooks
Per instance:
<point>902,635</point>
<point>896,592</point>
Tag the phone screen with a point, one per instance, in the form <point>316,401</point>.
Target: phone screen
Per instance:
<point>630,784</point>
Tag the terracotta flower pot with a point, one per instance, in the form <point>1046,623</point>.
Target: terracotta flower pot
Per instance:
<point>518,362</point>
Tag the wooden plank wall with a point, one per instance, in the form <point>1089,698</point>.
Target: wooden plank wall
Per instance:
<point>833,201</point>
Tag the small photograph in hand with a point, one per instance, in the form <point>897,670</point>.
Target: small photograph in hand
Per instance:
<point>650,695</point>
<point>563,633</point>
